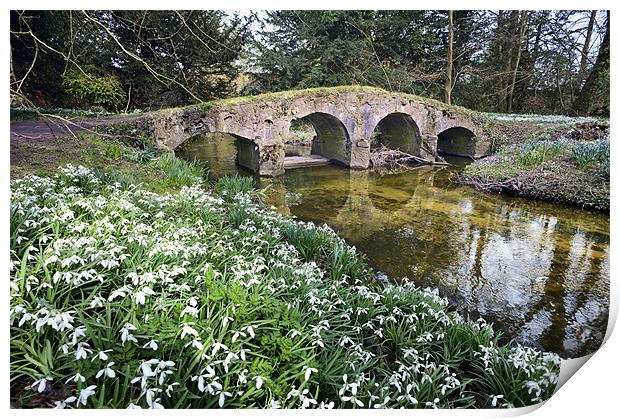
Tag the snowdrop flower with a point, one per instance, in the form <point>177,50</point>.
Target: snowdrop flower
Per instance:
<point>195,343</point>
<point>188,330</point>
<point>494,399</point>
<point>141,295</point>
<point>81,352</point>
<point>42,383</point>
<point>96,302</point>
<point>170,389</point>
<point>151,344</point>
<point>78,378</point>
<point>217,346</point>
<point>102,355</point>
<point>192,311</point>
<point>85,394</point>
<point>133,406</point>
<point>153,403</point>
<point>236,335</point>
<point>433,404</point>
<point>109,372</point>
<point>125,335</point>
<point>223,395</point>
<point>309,371</point>
<point>250,330</point>
<point>61,404</point>
<point>259,381</point>
<point>353,399</point>
<point>227,319</point>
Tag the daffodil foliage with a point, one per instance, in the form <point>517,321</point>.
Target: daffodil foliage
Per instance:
<point>123,298</point>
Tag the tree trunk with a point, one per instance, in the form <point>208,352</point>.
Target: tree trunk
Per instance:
<point>516,66</point>
<point>586,49</point>
<point>448,84</point>
<point>594,97</point>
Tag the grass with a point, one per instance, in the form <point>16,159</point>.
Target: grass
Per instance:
<point>129,165</point>
<point>121,297</point>
<point>178,172</point>
<point>564,171</point>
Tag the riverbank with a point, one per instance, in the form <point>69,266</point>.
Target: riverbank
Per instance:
<point>569,165</point>
<point>122,297</point>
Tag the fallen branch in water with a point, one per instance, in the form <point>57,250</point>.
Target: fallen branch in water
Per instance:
<point>386,157</point>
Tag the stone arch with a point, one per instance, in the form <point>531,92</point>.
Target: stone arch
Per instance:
<point>332,139</point>
<point>457,141</point>
<point>397,131</point>
<point>224,150</point>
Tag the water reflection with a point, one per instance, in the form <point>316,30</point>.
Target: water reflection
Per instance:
<point>540,272</point>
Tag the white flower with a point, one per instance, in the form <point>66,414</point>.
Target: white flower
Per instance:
<point>250,330</point>
<point>494,399</point>
<point>42,383</point>
<point>76,378</point>
<point>141,295</point>
<point>85,394</point>
<point>227,319</point>
<point>170,389</point>
<point>196,343</point>
<point>133,406</point>
<point>223,395</point>
<point>217,346</point>
<point>352,399</point>
<point>82,352</point>
<point>96,302</point>
<point>151,344</point>
<point>61,404</point>
<point>259,382</point>
<point>308,372</point>
<point>192,311</point>
<point>150,394</point>
<point>188,330</point>
<point>236,335</point>
<point>102,355</point>
<point>125,335</point>
<point>109,372</point>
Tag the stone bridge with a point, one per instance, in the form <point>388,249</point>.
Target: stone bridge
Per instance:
<point>346,119</point>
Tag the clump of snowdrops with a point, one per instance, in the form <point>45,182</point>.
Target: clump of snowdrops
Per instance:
<point>123,298</point>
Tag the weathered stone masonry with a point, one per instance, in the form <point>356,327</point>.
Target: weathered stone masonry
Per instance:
<point>344,119</point>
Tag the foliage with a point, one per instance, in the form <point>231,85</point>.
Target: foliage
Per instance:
<point>179,172</point>
<point>105,91</point>
<point>229,186</point>
<point>124,298</point>
<point>161,57</point>
<point>534,153</point>
<point>586,153</point>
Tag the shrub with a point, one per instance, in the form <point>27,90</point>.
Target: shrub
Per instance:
<point>105,91</point>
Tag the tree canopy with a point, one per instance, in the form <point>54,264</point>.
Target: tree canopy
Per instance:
<point>503,61</point>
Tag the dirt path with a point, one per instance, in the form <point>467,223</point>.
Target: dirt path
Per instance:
<point>46,130</point>
<point>43,145</point>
